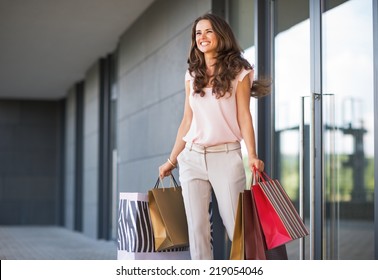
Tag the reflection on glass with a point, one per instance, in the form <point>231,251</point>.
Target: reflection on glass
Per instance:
<point>291,83</point>
<point>349,127</point>
<point>348,131</point>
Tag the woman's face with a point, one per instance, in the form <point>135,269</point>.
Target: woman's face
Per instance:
<point>206,38</point>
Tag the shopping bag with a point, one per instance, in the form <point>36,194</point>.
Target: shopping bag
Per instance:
<point>248,242</point>
<point>168,216</point>
<point>279,219</point>
<point>135,239</point>
<point>237,245</point>
<point>253,237</point>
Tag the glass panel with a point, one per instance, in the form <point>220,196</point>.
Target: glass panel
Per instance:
<point>348,129</point>
<point>291,84</point>
<point>241,18</point>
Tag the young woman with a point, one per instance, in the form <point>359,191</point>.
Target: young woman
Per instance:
<point>218,85</point>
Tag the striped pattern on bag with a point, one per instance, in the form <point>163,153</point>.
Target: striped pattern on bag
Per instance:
<point>134,230</point>
<point>134,226</point>
<point>285,208</point>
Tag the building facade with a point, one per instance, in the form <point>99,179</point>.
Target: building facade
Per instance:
<point>316,131</point>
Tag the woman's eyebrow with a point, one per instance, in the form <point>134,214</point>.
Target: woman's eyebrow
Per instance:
<point>204,30</point>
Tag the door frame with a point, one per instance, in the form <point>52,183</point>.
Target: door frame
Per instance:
<point>264,14</point>
<point>316,132</point>
<point>375,57</point>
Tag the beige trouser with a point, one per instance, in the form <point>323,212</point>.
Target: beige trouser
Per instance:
<point>221,168</point>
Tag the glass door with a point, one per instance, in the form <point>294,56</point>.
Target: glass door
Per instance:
<point>324,124</point>
<point>291,106</point>
<point>348,129</point>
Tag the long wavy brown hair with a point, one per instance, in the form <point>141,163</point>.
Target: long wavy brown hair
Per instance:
<point>229,62</point>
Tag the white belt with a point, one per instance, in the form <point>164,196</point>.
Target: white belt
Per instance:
<point>213,149</point>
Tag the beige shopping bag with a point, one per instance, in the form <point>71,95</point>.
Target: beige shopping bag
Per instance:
<point>168,217</point>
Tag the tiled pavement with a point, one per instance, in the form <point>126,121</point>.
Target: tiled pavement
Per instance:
<point>52,243</point>
<point>56,243</point>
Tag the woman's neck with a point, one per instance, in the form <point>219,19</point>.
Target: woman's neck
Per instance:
<point>210,60</point>
<point>210,65</point>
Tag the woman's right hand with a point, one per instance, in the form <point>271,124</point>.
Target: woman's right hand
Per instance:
<point>165,169</point>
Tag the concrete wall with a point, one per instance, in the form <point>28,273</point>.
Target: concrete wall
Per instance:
<point>70,149</point>
<point>29,167</point>
<point>90,150</point>
<point>152,64</point>
<point>151,59</point>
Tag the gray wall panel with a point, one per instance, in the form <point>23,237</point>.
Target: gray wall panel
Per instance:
<point>90,206</point>
<point>29,152</point>
<point>69,182</point>
<point>90,222</point>
<point>91,152</point>
<point>90,149</point>
<point>151,64</point>
<point>151,96</point>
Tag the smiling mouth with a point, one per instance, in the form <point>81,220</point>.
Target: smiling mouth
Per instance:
<point>204,44</point>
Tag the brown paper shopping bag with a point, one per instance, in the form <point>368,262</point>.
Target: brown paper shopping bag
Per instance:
<point>237,245</point>
<point>168,217</point>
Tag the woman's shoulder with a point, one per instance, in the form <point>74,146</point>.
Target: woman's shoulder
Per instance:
<point>188,76</point>
<point>244,72</point>
<point>245,69</point>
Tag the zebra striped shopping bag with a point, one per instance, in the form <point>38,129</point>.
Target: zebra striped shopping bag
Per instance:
<point>279,219</point>
<point>135,234</point>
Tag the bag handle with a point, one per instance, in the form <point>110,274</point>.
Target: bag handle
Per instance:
<point>172,182</point>
<point>260,176</point>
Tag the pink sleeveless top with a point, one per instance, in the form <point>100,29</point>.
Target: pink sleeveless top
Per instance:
<point>214,120</point>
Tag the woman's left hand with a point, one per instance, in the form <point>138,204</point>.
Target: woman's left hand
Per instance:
<point>257,163</point>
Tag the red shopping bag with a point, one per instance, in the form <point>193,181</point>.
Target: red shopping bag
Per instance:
<point>248,242</point>
<point>279,219</point>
